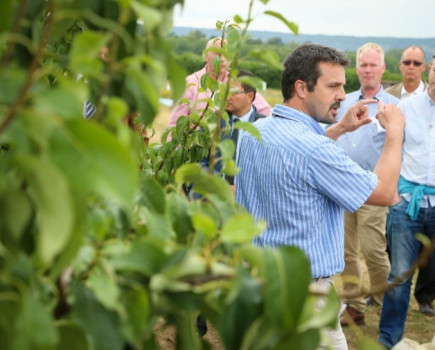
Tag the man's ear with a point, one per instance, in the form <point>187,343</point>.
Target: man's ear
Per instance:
<point>301,88</point>
<point>251,96</point>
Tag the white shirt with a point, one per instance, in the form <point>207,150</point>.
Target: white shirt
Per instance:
<point>418,164</point>
<point>404,94</point>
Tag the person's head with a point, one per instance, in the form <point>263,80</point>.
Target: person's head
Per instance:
<point>213,55</point>
<point>412,64</point>
<point>370,66</point>
<point>239,103</point>
<point>313,81</point>
<point>431,88</point>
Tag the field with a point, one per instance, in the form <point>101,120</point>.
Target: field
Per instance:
<point>418,327</point>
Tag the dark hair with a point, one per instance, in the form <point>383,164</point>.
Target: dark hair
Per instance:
<point>302,64</point>
<point>247,87</point>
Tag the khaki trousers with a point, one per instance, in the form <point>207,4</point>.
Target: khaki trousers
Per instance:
<point>365,229</point>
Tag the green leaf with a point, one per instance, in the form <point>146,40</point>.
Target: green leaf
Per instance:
<point>205,225</point>
<point>71,336</point>
<point>238,19</point>
<point>6,7</point>
<point>66,100</point>
<point>144,255</point>
<point>104,286</point>
<point>149,16</point>
<point>179,216</point>
<point>176,74</point>
<point>241,310</point>
<point>101,326</point>
<point>55,215</point>
<point>292,26</point>
<point>94,161</point>
<point>241,228</point>
<point>137,305</point>
<point>15,212</point>
<point>84,56</point>
<point>269,57</point>
<point>313,318</point>
<point>211,83</point>
<point>34,326</point>
<point>227,148</point>
<point>204,184</point>
<point>153,196</point>
<point>286,289</point>
<point>249,127</point>
<point>309,339</point>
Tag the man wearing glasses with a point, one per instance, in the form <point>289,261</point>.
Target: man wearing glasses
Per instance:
<point>414,213</point>
<point>412,67</point>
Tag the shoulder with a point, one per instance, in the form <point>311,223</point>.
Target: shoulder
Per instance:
<point>394,90</point>
<point>389,98</point>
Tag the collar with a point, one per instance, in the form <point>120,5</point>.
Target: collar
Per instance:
<point>281,111</point>
<point>378,96</point>
<point>417,91</point>
<point>245,117</point>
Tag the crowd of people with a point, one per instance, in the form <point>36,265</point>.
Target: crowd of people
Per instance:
<point>337,174</point>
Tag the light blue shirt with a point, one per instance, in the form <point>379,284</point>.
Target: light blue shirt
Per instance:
<point>300,181</point>
<point>418,162</point>
<point>365,144</point>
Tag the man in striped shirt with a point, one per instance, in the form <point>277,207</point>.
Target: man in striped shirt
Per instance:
<point>299,179</point>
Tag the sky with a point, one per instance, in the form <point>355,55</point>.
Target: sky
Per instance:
<point>386,18</point>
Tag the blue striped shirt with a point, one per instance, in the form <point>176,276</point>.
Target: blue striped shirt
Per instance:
<point>299,181</point>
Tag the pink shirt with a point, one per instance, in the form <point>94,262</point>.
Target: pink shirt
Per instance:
<point>191,93</point>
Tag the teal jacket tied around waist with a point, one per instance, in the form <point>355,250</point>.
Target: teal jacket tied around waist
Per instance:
<point>417,193</point>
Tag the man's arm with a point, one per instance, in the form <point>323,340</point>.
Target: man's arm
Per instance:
<point>388,166</point>
<point>356,116</point>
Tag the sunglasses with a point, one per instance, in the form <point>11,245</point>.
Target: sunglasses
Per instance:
<point>414,63</point>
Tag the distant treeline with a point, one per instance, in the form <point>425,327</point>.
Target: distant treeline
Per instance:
<point>188,53</point>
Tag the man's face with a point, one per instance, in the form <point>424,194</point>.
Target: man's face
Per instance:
<point>370,69</point>
<point>323,103</point>
<point>432,77</point>
<point>211,56</point>
<point>239,103</point>
<point>412,64</point>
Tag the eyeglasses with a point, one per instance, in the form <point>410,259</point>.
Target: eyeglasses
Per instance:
<point>240,92</point>
<point>414,63</point>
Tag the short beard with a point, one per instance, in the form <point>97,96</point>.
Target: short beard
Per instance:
<point>327,119</point>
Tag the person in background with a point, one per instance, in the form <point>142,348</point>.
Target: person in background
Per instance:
<point>412,66</point>
<point>415,213</point>
<point>299,179</point>
<point>193,82</point>
<point>365,228</point>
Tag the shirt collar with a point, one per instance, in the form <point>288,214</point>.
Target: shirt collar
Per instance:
<point>245,117</point>
<point>282,111</point>
<point>378,96</point>
<point>417,91</point>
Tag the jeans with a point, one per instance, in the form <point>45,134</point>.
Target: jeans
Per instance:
<point>404,249</point>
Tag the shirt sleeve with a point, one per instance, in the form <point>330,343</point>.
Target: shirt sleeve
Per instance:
<point>334,174</point>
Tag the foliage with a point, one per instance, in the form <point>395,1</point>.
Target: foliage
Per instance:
<point>98,239</point>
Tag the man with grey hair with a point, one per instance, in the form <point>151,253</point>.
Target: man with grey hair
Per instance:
<point>365,228</point>
<point>197,98</point>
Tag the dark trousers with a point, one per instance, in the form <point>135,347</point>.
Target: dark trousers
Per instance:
<point>425,288</point>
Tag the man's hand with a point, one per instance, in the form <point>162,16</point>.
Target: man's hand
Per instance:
<point>390,116</point>
<point>357,115</point>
